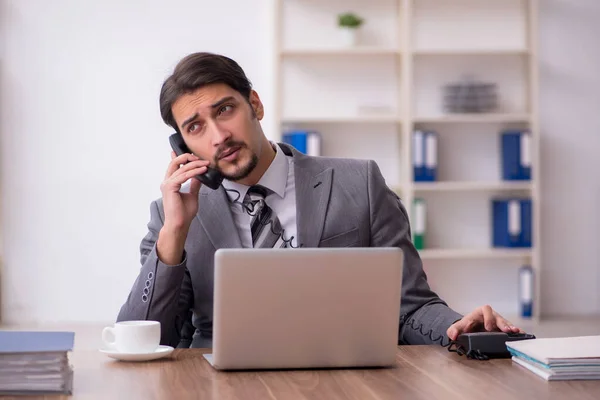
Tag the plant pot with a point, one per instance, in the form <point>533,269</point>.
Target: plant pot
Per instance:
<point>349,36</point>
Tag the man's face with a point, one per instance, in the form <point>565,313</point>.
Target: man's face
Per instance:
<point>219,125</point>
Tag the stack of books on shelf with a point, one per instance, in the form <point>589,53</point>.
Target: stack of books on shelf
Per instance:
<point>554,359</point>
<point>35,363</point>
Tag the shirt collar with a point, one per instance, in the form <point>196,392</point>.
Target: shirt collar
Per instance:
<point>274,178</point>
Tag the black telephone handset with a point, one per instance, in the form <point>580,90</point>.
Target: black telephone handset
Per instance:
<point>211,178</point>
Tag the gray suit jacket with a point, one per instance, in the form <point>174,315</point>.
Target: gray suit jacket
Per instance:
<point>339,203</point>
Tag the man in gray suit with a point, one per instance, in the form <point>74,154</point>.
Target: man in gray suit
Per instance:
<point>308,201</point>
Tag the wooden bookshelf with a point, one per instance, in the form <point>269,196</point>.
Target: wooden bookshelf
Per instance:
<point>475,254</point>
<point>408,51</point>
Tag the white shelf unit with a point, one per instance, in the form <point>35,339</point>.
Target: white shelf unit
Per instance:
<point>368,99</point>
<point>364,51</point>
<point>371,119</point>
<point>476,254</point>
<point>473,118</point>
<point>470,186</point>
<point>470,52</point>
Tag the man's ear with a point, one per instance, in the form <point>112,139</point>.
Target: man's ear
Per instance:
<point>257,105</point>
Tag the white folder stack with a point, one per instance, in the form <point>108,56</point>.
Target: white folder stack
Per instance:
<point>567,358</point>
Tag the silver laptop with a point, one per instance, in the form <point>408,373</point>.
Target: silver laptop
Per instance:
<point>306,308</point>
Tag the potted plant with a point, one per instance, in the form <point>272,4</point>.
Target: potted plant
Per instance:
<point>349,24</point>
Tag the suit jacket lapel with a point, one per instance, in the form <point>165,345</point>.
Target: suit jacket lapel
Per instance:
<point>215,216</point>
<point>313,187</point>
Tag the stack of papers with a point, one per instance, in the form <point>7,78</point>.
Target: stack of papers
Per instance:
<point>569,358</point>
<point>35,363</point>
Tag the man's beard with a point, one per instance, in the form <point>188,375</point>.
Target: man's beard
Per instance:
<point>245,170</point>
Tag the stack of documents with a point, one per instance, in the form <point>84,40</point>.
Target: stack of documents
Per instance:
<point>569,358</point>
<point>35,363</point>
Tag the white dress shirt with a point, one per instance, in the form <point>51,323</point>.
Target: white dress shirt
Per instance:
<point>279,177</point>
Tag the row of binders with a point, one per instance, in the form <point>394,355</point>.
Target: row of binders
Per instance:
<point>511,220</point>
<point>515,146</point>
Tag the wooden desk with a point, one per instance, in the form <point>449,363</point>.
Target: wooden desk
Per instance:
<point>423,372</point>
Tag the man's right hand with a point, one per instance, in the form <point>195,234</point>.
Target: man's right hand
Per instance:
<point>180,208</point>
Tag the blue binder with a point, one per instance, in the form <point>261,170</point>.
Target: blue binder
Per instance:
<point>306,142</point>
<point>526,223</point>
<point>418,156</point>
<point>511,223</point>
<point>516,155</point>
<point>425,158</point>
<point>431,156</point>
<point>526,289</point>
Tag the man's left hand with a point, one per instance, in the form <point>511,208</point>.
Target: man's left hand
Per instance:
<point>482,319</point>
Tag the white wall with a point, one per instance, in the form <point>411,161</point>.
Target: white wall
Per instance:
<point>83,148</point>
<point>570,123</point>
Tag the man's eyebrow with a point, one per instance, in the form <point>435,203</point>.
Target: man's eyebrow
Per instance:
<point>190,119</point>
<point>222,101</point>
<point>213,106</point>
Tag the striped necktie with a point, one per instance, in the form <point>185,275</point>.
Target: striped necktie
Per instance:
<point>265,226</point>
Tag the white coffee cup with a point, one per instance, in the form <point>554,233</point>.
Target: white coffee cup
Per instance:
<point>133,336</point>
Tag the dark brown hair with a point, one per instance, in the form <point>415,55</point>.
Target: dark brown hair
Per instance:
<point>195,71</point>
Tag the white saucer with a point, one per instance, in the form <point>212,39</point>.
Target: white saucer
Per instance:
<point>160,352</point>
